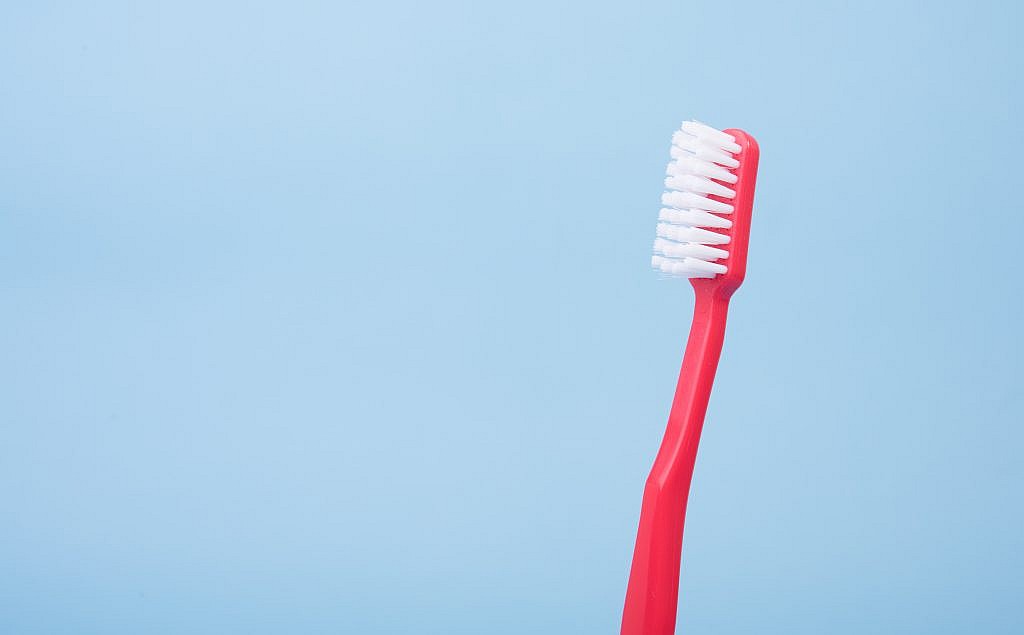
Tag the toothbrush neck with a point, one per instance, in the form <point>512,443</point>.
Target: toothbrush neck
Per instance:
<point>693,390</point>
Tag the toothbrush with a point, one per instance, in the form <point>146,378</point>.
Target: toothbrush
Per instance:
<point>702,234</point>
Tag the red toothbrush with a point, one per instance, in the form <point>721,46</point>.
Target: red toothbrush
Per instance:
<point>703,231</point>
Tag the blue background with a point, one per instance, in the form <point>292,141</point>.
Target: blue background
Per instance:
<point>338,318</point>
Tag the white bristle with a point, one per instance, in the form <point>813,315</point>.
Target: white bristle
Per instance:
<point>702,158</point>
<point>687,164</point>
<point>687,267</point>
<point>694,218</point>
<point>691,183</point>
<point>704,150</point>
<point>692,250</point>
<point>684,200</point>
<point>708,134</point>
<point>684,234</point>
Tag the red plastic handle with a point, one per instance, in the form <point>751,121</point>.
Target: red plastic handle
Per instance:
<point>651,597</point>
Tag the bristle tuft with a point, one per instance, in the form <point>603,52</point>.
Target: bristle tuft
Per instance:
<point>691,231</point>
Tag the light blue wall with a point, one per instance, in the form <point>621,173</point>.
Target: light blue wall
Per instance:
<point>337,318</point>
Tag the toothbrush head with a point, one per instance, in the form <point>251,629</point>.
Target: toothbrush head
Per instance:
<point>704,224</point>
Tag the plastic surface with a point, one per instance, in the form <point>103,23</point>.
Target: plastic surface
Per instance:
<point>652,594</point>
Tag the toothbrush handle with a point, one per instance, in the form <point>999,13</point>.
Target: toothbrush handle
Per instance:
<point>651,597</point>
